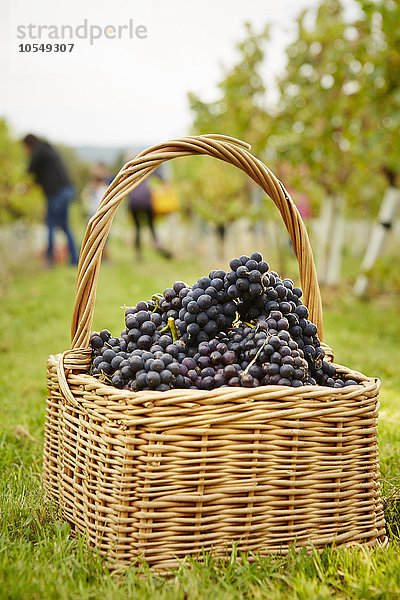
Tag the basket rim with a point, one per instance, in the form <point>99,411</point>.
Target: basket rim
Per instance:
<point>278,393</point>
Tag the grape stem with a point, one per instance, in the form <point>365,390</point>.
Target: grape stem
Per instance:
<point>172,328</point>
<point>237,320</point>
<point>103,377</point>
<point>156,298</point>
<point>174,331</point>
<point>256,356</point>
<point>258,352</point>
<point>265,286</point>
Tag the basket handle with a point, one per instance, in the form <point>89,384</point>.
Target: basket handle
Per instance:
<point>135,171</point>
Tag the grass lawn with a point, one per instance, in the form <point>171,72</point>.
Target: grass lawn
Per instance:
<point>39,559</point>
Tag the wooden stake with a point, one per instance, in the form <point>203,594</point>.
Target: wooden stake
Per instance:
<point>379,234</point>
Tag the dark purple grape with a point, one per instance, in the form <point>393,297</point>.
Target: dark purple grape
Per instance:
<point>211,328</point>
<point>193,307</point>
<point>97,361</point>
<point>148,328</point>
<point>242,272</point>
<point>230,371</point>
<point>233,291</point>
<point>142,316</point>
<point>231,278</point>
<point>117,380</point>
<point>255,276</point>
<point>302,311</point>
<point>189,363</point>
<point>204,282</point>
<point>203,362</point>
<point>207,383</point>
<point>255,371</point>
<point>219,380</point>
<point>216,357</point>
<point>310,330</point>
<point>141,380</point>
<point>204,349</point>
<point>207,372</point>
<point>131,321</point>
<point>286,371</point>
<point>190,318</point>
<point>105,367</point>
<point>169,294</point>
<point>242,284</point>
<point>144,342</point>
<point>105,335</point>
<point>127,372</point>
<point>248,380</point>
<point>235,263</point>
<point>142,306</point>
<point>166,377</point>
<point>229,358</point>
<point>251,265</point>
<point>202,319</point>
<point>153,379</point>
<point>212,313</point>
<point>350,382</point>
<point>218,284</point>
<point>174,368</point>
<point>179,286</point>
<point>157,365</point>
<point>96,341</point>
<point>193,329</point>
<point>297,383</point>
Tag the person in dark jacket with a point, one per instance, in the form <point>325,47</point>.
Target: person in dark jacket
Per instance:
<point>140,206</point>
<point>49,171</point>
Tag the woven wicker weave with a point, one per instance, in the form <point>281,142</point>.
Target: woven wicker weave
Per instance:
<point>163,475</point>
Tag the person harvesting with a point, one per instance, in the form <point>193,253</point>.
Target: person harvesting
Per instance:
<point>50,172</point>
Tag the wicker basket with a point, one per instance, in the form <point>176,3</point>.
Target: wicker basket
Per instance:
<point>159,476</point>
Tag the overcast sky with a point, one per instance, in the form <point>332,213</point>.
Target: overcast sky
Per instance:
<point>127,91</point>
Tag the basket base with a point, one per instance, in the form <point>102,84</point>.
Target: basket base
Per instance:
<point>168,566</point>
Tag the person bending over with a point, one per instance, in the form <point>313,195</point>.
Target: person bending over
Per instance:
<point>49,171</point>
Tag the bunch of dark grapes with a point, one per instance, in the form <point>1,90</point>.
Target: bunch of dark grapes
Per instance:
<point>247,327</point>
<point>213,366</point>
<point>322,372</point>
<point>245,284</point>
<point>170,303</point>
<point>268,357</point>
<point>155,370</point>
<point>206,310</point>
<point>156,365</point>
<point>262,294</point>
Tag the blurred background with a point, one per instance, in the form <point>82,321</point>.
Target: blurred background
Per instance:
<point>313,86</point>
